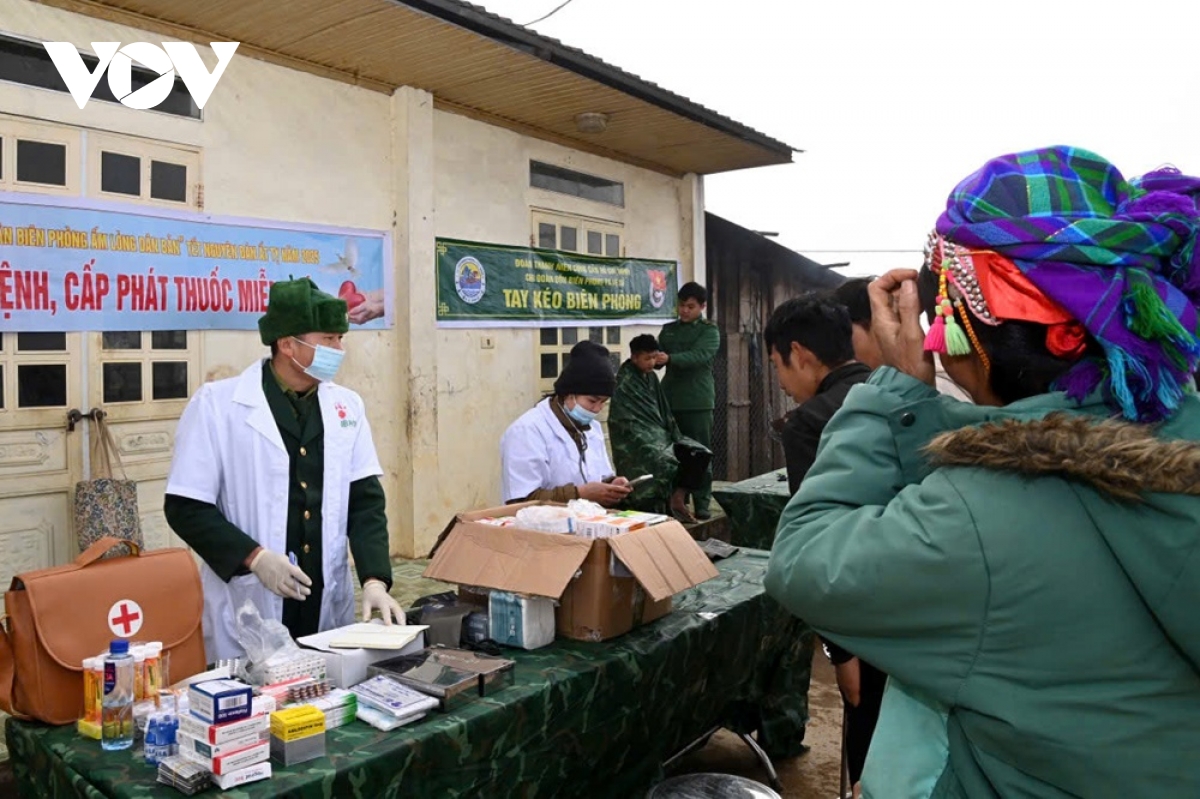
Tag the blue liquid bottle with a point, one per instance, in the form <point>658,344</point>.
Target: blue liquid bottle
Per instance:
<point>117,702</point>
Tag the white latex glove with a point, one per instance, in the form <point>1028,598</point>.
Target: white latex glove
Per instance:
<point>279,576</point>
<point>375,597</point>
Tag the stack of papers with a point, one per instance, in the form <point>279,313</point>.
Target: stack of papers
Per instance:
<point>367,635</point>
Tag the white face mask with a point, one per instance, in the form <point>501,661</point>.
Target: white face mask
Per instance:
<point>581,414</point>
<point>325,362</point>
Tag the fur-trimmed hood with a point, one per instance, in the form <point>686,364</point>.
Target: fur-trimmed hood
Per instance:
<point>1121,459</point>
<point>1153,526</point>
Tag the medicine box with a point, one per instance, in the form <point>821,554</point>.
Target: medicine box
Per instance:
<point>297,722</point>
<point>263,706</point>
<point>259,771</point>
<point>229,763</point>
<point>526,622</point>
<point>218,701</point>
<point>340,707</point>
<point>217,734</point>
<point>205,749</point>
<point>298,750</point>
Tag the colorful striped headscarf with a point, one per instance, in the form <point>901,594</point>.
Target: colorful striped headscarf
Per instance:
<point>1120,256</point>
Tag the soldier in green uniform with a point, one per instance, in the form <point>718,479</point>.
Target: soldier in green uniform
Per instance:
<point>689,346</point>
<point>646,440</point>
<point>275,477</point>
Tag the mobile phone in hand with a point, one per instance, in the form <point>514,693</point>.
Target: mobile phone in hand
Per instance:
<point>638,481</point>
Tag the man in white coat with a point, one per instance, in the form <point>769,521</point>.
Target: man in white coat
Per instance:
<point>275,477</point>
<point>555,451</point>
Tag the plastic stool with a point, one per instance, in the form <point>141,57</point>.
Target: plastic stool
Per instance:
<point>710,786</point>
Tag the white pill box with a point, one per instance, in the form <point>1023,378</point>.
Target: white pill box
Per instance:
<point>205,749</point>
<point>234,761</point>
<point>259,771</point>
<point>217,734</point>
<point>220,701</point>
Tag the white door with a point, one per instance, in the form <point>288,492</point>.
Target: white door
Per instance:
<point>140,380</point>
<point>40,461</point>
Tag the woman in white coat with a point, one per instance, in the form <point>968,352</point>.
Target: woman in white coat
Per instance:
<point>555,451</point>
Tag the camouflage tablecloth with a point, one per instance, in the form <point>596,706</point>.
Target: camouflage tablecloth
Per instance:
<point>753,507</point>
<point>583,719</point>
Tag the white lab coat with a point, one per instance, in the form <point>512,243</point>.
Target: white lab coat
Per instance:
<point>538,452</point>
<point>229,452</point>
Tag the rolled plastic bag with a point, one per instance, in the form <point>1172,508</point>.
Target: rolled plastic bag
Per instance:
<point>546,519</point>
<point>266,642</point>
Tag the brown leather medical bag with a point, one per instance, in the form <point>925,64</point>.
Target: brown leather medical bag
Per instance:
<point>57,617</point>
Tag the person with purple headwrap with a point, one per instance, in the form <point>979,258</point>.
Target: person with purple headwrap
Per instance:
<point>1025,568</point>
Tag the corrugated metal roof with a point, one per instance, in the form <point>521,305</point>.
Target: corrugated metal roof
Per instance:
<point>473,62</point>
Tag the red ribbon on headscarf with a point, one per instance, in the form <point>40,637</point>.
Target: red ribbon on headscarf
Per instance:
<point>1012,296</point>
<point>1067,340</point>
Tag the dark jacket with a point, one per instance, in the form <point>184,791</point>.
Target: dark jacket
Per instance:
<point>802,431</point>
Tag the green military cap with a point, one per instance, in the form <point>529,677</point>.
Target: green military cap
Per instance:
<point>296,307</point>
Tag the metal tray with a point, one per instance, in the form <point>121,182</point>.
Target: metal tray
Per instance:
<point>452,676</point>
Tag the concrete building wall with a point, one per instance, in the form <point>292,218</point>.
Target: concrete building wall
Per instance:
<point>277,144</point>
<point>483,194</point>
<point>274,144</point>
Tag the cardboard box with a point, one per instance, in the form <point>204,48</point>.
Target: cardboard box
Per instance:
<point>594,605</point>
<point>347,667</point>
<point>600,605</point>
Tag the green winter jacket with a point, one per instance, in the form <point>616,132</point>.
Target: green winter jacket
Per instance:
<point>1031,587</point>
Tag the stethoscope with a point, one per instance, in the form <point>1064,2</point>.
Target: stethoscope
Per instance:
<point>582,438</point>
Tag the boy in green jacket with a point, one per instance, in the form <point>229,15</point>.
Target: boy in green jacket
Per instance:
<point>689,346</point>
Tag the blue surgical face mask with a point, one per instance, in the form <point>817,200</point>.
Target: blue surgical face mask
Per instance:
<point>581,414</point>
<point>325,362</point>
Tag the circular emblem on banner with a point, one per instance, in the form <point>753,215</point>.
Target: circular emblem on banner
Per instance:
<point>470,280</point>
<point>658,287</point>
<point>125,618</point>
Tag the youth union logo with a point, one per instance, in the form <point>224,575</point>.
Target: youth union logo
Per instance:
<point>658,287</point>
<point>470,280</point>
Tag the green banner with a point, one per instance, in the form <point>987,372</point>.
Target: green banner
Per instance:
<point>490,285</point>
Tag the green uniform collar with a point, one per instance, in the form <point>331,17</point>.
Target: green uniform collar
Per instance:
<point>289,392</point>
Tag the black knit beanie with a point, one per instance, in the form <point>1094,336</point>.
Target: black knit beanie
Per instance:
<point>589,372</point>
